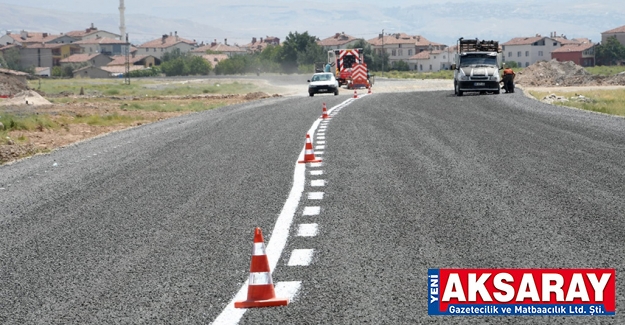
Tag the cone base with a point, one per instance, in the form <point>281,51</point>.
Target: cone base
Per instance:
<point>325,117</point>
<point>309,161</point>
<point>274,302</point>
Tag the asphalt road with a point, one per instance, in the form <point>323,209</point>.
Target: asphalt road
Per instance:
<point>154,225</point>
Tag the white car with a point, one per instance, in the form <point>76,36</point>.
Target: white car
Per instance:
<point>323,83</point>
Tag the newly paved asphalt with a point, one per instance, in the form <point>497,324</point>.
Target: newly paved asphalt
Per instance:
<point>154,225</point>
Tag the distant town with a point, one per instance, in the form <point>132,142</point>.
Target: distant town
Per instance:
<point>95,53</point>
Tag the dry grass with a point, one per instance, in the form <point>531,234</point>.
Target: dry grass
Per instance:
<point>609,101</point>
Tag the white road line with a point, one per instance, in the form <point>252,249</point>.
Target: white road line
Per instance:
<point>301,257</point>
<point>280,233</point>
<point>316,172</point>
<point>317,182</point>
<point>311,211</point>
<point>321,142</point>
<point>307,230</point>
<point>320,147</point>
<point>315,195</point>
<point>318,152</point>
<point>321,137</point>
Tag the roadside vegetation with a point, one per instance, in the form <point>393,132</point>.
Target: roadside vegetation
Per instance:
<point>608,101</point>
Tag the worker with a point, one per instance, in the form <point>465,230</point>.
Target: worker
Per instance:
<point>508,79</point>
<point>328,67</point>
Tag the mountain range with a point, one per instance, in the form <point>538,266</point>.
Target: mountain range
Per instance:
<point>239,21</point>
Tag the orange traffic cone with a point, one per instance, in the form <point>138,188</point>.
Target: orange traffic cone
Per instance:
<point>309,154</point>
<point>260,291</point>
<point>355,94</point>
<point>325,112</point>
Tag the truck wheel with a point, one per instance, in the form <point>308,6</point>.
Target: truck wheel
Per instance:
<point>311,94</point>
<point>336,92</point>
<point>457,91</point>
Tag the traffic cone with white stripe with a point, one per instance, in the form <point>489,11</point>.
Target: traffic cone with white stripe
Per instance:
<point>260,290</point>
<point>309,154</point>
<point>355,94</point>
<point>325,112</point>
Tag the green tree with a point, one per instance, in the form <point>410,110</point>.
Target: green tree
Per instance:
<point>237,64</point>
<point>12,58</point>
<point>175,67</point>
<point>400,66</point>
<point>299,49</point>
<point>199,66</point>
<point>610,53</point>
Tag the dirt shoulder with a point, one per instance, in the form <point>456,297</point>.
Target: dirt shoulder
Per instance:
<point>25,143</point>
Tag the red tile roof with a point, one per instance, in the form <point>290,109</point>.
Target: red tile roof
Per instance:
<point>33,37</point>
<point>523,40</point>
<point>214,58</point>
<point>166,41</point>
<point>79,58</point>
<point>400,38</point>
<point>423,55</point>
<point>337,40</point>
<point>121,59</point>
<point>615,30</point>
<point>573,48</point>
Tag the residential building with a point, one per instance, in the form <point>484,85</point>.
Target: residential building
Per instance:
<point>432,61</point>
<point>618,32</point>
<point>26,38</point>
<point>401,47</point>
<point>104,45</point>
<point>526,51</point>
<point>103,72</point>
<point>259,46</point>
<point>43,71</point>
<point>215,47</point>
<point>145,61</point>
<point>581,54</point>
<point>165,44</point>
<point>92,33</point>
<point>46,55</point>
<point>94,59</point>
<point>338,41</point>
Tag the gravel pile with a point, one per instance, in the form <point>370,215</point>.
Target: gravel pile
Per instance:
<point>556,73</point>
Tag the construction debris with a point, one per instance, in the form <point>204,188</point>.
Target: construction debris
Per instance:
<point>563,74</point>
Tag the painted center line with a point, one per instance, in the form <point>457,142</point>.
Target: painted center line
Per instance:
<point>307,230</point>
<point>317,182</point>
<point>315,195</point>
<point>301,257</point>
<point>311,211</point>
<point>280,233</point>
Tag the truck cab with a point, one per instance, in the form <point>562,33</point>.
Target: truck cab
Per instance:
<point>476,67</point>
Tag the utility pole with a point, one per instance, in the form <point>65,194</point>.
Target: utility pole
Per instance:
<point>383,53</point>
<point>127,52</point>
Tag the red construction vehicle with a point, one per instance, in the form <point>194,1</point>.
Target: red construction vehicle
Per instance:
<point>351,69</point>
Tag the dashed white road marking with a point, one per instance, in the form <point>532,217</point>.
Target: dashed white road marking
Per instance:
<point>321,142</point>
<point>320,147</point>
<point>317,182</point>
<point>315,195</point>
<point>311,211</point>
<point>301,257</point>
<point>316,172</point>
<point>307,230</point>
<point>279,235</point>
<point>318,152</point>
<point>321,137</point>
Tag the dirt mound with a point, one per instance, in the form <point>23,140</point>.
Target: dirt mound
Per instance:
<point>556,73</point>
<point>26,97</point>
<point>10,85</point>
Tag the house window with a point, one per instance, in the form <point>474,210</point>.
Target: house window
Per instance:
<point>421,67</point>
<point>540,53</point>
<point>147,49</point>
<point>409,52</point>
<point>555,43</point>
<point>519,64</point>
<point>394,53</point>
<point>400,52</point>
<point>518,54</point>
<point>527,53</point>
<point>155,49</point>
<point>430,67</point>
<point>509,54</point>
<point>527,64</point>
<point>399,46</point>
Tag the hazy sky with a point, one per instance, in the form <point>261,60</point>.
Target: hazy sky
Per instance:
<point>238,20</point>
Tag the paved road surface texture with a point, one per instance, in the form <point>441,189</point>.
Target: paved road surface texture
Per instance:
<point>154,225</point>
